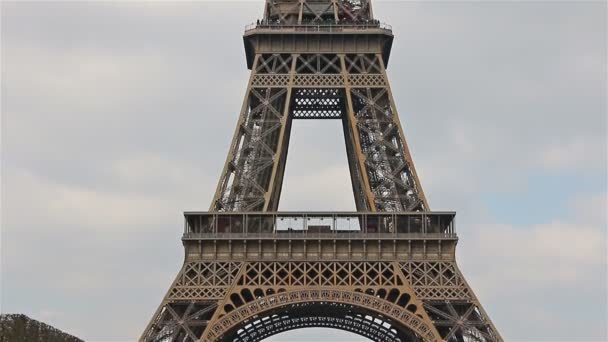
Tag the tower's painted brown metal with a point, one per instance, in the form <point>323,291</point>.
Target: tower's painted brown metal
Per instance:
<point>387,271</point>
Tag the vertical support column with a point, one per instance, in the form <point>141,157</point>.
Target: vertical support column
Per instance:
<point>335,6</point>
<point>266,9</point>
<point>300,11</point>
<point>258,148</point>
<point>408,153</point>
<point>278,169</point>
<point>371,11</point>
<point>392,180</point>
<point>223,182</point>
<point>364,198</point>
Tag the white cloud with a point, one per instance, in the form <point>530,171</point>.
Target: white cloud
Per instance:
<point>155,171</point>
<point>590,208</point>
<point>581,154</point>
<point>538,268</point>
<point>539,254</point>
<point>47,205</point>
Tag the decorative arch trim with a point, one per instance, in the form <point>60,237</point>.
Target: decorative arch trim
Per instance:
<point>398,314</point>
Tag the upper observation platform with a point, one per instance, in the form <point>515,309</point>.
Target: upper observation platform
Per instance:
<point>322,27</point>
<point>342,236</point>
<point>314,225</point>
<point>317,26</point>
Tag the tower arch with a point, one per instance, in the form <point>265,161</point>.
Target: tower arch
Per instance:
<point>360,313</point>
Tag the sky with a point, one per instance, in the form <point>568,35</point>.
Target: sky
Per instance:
<point>117,117</point>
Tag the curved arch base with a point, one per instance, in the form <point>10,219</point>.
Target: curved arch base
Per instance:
<point>304,308</point>
<point>320,315</point>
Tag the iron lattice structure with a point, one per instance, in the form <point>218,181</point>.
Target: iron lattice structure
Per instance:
<point>386,272</point>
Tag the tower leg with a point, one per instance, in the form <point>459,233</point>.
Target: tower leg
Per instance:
<point>189,305</point>
<point>449,301</point>
<point>377,139</point>
<point>253,170</point>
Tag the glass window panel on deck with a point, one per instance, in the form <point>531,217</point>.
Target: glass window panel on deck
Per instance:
<point>223,224</point>
<point>237,224</point>
<point>410,223</point>
<point>438,223</point>
<point>227,223</point>
<point>348,224</point>
<point>289,224</point>
<point>260,224</point>
<point>445,223</point>
<point>254,224</point>
<point>380,223</point>
<point>205,223</point>
<point>199,223</point>
<point>432,224</point>
<point>403,224</point>
<point>416,223</point>
<point>319,224</point>
<point>371,224</point>
<point>387,224</point>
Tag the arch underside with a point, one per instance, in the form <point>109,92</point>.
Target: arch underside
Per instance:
<point>340,316</point>
<point>357,312</point>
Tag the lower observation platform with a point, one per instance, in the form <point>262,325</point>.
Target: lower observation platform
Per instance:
<point>319,236</point>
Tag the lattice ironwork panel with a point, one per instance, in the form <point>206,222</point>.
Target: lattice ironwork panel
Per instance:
<point>319,80</point>
<point>268,80</point>
<point>363,64</point>
<point>208,274</point>
<point>196,292</point>
<point>279,274</point>
<point>432,280</point>
<point>366,80</point>
<point>318,64</point>
<point>204,280</point>
<point>273,64</point>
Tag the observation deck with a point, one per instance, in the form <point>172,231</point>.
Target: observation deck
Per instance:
<point>371,36</point>
<point>319,27</point>
<point>319,235</point>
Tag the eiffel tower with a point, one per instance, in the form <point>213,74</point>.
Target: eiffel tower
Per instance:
<point>387,271</point>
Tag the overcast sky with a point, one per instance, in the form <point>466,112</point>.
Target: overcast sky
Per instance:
<point>117,116</point>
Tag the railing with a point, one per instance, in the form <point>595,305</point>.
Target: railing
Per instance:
<point>318,224</point>
<point>321,27</point>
